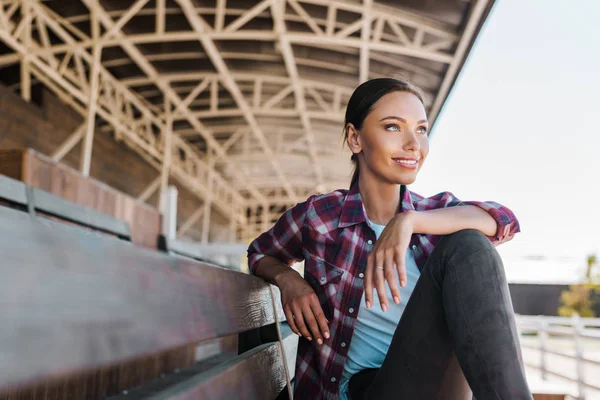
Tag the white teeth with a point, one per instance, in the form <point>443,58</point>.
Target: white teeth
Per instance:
<point>407,162</point>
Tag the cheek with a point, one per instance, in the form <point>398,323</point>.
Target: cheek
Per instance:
<point>374,146</point>
<point>424,142</point>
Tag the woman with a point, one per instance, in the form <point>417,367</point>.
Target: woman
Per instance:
<point>441,311</point>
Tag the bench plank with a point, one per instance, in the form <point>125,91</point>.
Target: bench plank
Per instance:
<point>290,347</point>
<point>59,207</point>
<point>255,375</point>
<point>73,301</point>
<point>12,190</point>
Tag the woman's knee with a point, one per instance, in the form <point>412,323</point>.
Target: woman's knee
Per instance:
<point>466,242</point>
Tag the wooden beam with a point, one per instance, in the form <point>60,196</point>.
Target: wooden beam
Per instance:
<point>208,200</point>
<point>277,10</point>
<point>125,18</point>
<point>160,16</point>
<point>168,91</point>
<point>88,138</point>
<point>25,60</point>
<point>69,143</point>
<point>200,26</point>
<point>365,37</point>
<point>220,15</point>
<point>191,221</point>
<point>150,189</point>
<point>168,155</point>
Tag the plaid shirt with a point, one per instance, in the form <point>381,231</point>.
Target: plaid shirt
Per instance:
<point>329,232</point>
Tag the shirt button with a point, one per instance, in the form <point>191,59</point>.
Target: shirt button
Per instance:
<point>343,344</point>
<point>323,279</point>
<point>369,241</point>
<point>361,275</point>
<point>351,310</point>
<point>332,379</point>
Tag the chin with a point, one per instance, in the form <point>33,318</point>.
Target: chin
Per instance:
<point>405,179</point>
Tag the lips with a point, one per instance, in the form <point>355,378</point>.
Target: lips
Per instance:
<point>407,162</point>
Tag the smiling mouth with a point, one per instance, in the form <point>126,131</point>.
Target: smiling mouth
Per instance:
<point>409,163</point>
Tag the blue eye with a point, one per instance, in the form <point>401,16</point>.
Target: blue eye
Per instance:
<point>422,130</point>
<point>392,128</point>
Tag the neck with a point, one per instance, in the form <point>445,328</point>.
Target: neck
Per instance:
<point>381,199</point>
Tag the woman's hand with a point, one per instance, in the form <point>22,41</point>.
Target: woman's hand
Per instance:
<point>302,308</point>
<point>388,259</point>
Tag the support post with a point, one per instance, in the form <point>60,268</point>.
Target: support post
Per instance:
<point>169,216</point>
<point>88,138</point>
<point>168,153</point>
<point>209,197</point>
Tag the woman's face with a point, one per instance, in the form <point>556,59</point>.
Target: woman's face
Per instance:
<point>393,141</point>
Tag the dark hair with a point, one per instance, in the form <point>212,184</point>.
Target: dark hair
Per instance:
<point>362,101</point>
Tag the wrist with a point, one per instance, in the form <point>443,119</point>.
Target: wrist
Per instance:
<point>285,276</point>
<point>410,218</point>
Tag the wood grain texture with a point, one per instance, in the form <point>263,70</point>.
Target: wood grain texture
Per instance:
<point>75,301</point>
<point>255,375</point>
<point>41,172</point>
<point>65,209</point>
<point>105,381</point>
<point>11,163</point>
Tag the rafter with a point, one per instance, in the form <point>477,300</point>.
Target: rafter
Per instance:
<point>259,139</point>
<point>114,106</point>
<point>200,26</point>
<point>278,7</point>
<point>151,72</point>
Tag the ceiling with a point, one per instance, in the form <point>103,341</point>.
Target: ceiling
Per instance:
<point>250,95</point>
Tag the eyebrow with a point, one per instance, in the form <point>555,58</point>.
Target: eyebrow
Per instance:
<point>423,121</point>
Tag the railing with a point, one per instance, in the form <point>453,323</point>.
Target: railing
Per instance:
<point>576,328</point>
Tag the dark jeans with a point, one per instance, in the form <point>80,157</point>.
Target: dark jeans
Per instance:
<point>457,332</point>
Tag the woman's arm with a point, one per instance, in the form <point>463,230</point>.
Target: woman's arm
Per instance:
<point>270,257</point>
<point>445,221</point>
<point>492,219</point>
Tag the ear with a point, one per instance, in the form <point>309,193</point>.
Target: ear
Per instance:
<point>353,139</point>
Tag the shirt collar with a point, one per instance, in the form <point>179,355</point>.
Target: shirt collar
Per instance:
<point>353,209</point>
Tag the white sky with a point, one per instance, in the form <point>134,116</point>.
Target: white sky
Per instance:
<point>521,128</point>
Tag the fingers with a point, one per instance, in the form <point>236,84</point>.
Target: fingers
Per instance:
<point>306,318</point>
<point>369,281</point>
<point>289,315</point>
<point>300,323</point>
<point>400,259</point>
<point>320,317</point>
<point>311,322</point>
<point>379,281</point>
<point>390,275</point>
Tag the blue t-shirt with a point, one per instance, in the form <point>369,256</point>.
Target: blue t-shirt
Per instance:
<point>374,328</point>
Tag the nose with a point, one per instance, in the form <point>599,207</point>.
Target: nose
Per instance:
<point>411,142</point>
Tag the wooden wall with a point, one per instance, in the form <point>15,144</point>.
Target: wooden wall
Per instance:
<point>38,171</point>
<point>44,127</point>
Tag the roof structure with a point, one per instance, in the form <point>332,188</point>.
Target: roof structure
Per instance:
<point>242,102</point>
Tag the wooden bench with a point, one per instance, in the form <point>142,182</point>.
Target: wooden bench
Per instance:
<point>227,255</point>
<point>77,304</point>
<point>16,194</point>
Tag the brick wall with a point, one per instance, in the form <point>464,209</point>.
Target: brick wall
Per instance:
<point>44,128</point>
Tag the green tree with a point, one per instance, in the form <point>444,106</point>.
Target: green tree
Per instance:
<point>581,298</point>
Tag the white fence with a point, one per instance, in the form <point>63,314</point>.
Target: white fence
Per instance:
<point>577,329</point>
